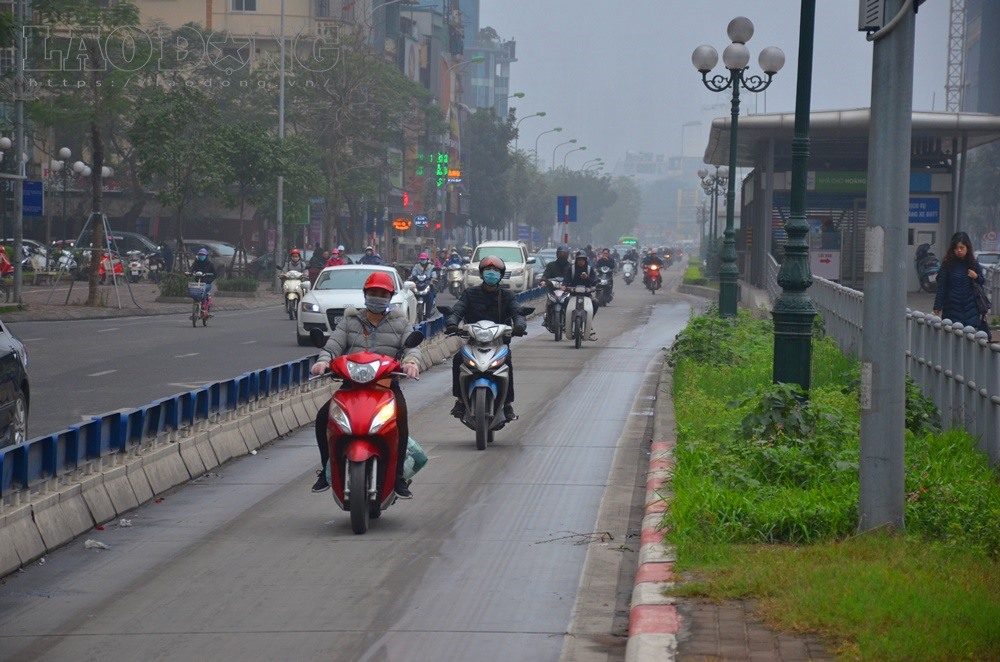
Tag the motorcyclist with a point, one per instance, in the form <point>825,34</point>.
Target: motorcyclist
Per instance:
<point>317,261</point>
<point>370,257</point>
<point>294,262</point>
<point>607,261</point>
<point>454,259</point>
<point>378,328</point>
<point>581,273</point>
<point>558,268</point>
<point>616,256</point>
<point>652,257</point>
<point>632,255</point>
<point>336,260</point>
<point>486,302</point>
<point>424,266</point>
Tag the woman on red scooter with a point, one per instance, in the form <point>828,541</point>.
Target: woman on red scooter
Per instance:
<point>377,328</point>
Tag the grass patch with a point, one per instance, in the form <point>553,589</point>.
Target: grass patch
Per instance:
<point>765,505</point>
<point>694,276</point>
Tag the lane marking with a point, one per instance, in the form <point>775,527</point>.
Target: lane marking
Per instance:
<point>187,386</point>
<point>184,356</point>
<point>117,328</point>
<point>249,342</point>
<point>102,373</point>
<point>33,339</point>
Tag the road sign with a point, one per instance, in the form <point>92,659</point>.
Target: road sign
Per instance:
<point>421,221</point>
<point>31,198</point>
<point>524,232</point>
<point>566,209</point>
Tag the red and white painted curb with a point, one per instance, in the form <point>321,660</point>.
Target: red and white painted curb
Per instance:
<point>653,621</point>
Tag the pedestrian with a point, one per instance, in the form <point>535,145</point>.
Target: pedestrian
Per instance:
<point>960,271</point>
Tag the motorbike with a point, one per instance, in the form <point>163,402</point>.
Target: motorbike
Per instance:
<point>578,320</point>
<point>361,433</point>
<point>484,376</point>
<point>138,266</point>
<point>604,283</point>
<point>927,268</point>
<point>628,271</point>
<point>558,299</point>
<point>424,293</point>
<point>456,280</point>
<point>294,287</point>
<point>156,267</point>
<point>653,279</point>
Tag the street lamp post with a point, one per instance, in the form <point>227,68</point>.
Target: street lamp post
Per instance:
<point>540,113</point>
<point>568,142</point>
<point>710,184</point>
<point>60,166</point>
<point>735,58</point>
<point>578,149</point>
<point>558,128</point>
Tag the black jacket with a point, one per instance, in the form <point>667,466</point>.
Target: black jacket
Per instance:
<point>556,269</point>
<point>206,268</point>
<point>954,296</point>
<point>476,304</point>
<point>606,262</point>
<point>576,276</point>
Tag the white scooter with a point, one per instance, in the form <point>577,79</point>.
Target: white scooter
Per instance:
<point>138,266</point>
<point>579,313</point>
<point>294,286</point>
<point>628,271</point>
<point>456,280</point>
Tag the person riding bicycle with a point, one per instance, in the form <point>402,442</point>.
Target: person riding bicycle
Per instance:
<point>378,328</point>
<point>488,302</point>
<point>202,264</point>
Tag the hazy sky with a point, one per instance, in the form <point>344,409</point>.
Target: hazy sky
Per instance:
<point>617,74</point>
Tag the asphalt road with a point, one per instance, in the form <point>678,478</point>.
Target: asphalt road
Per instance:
<point>486,562</point>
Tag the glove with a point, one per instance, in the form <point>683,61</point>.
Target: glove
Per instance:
<point>451,328</point>
<point>519,330</point>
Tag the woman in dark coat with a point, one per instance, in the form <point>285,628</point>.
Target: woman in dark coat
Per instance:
<point>955,300</point>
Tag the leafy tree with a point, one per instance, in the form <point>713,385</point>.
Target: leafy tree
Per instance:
<point>182,149</point>
<point>982,207</point>
<point>489,161</point>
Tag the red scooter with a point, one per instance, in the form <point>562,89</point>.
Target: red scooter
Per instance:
<point>653,279</point>
<point>362,433</point>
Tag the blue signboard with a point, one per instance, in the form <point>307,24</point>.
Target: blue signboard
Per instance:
<point>925,210</point>
<point>32,198</point>
<point>566,209</point>
<point>421,221</point>
<point>523,232</point>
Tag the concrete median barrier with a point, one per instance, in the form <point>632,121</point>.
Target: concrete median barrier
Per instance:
<point>188,450</point>
<point>95,495</point>
<point>61,516</point>
<point>20,535</point>
<point>164,467</point>
<point>120,490</point>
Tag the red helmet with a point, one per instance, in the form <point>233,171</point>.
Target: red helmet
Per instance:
<point>295,251</point>
<point>423,256</point>
<point>492,261</point>
<point>381,280</point>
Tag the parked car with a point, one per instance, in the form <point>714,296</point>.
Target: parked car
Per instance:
<point>337,288</point>
<point>15,395</point>
<point>520,272</point>
<point>125,242</point>
<point>220,253</point>
<point>989,259</point>
<point>538,268</point>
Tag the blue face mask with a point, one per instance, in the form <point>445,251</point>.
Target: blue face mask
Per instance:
<point>491,277</point>
<point>202,258</point>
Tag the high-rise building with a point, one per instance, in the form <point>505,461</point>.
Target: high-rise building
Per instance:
<point>485,82</point>
<point>981,93</point>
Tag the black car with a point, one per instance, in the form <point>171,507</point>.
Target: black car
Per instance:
<point>14,392</point>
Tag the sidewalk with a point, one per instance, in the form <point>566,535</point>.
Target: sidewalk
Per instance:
<point>135,299</point>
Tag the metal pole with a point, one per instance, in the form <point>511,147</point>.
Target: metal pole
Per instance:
<point>728,271</point>
<point>24,11</point>
<point>794,311</point>
<point>279,207</point>
<point>882,489</point>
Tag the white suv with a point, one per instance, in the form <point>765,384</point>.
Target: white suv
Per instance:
<point>514,255</point>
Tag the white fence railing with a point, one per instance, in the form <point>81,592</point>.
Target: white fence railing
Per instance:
<point>956,367</point>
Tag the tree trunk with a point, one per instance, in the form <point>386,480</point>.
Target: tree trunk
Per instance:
<point>98,240</point>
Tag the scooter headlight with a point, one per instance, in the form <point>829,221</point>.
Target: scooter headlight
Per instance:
<point>499,362</point>
<point>385,414</point>
<point>338,416</point>
<point>362,373</point>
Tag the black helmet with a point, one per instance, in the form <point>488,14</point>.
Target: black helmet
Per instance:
<point>582,254</point>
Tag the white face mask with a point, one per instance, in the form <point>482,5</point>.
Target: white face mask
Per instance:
<point>377,305</point>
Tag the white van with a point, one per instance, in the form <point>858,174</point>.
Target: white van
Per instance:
<point>514,254</point>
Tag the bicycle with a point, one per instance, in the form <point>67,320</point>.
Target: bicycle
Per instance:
<point>201,302</point>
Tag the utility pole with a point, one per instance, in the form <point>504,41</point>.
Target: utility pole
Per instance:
<point>882,473</point>
<point>279,216</point>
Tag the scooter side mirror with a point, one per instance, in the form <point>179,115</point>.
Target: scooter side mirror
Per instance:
<point>318,338</point>
<point>413,340</point>
<point>444,310</point>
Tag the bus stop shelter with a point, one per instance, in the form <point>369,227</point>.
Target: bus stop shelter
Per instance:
<point>837,190</point>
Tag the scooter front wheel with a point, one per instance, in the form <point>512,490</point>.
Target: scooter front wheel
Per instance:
<point>484,409</point>
<point>560,322</point>
<point>577,332</point>
<point>357,476</point>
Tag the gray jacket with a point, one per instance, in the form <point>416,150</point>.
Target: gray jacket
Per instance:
<point>387,338</point>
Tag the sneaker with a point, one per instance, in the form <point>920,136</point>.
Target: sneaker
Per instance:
<point>593,335</point>
<point>402,489</point>
<point>508,412</point>
<point>458,411</point>
<point>321,485</point>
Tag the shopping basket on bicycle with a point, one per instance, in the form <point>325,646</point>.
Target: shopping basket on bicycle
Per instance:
<point>196,290</point>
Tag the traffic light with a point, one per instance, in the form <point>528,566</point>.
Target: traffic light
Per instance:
<point>406,198</point>
<point>437,226</point>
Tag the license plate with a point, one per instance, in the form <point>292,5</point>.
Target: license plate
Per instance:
<point>135,272</point>
<point>337,319</point>
<point>931,278</point>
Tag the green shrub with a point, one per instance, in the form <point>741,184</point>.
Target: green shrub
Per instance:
<point>246,284</point>
<point>174,285</point>
<point>693,276</point>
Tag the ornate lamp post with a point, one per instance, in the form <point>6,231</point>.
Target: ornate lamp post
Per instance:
<point>60,166</point>
<point>710,184</point>
<point>735,58</point>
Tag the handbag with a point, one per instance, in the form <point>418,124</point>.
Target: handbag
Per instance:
<point>982,299</point>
